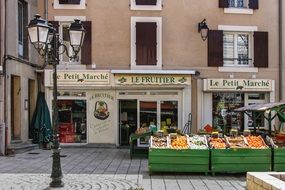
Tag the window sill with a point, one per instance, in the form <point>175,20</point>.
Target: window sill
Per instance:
<point>238,11</point>
<point>236,69</point>
<point>145,67</point>
<point>82,5</point>
<point>69,66</point>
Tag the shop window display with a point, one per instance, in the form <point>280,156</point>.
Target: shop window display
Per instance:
<point>72,121</point>
<point>224,118</point>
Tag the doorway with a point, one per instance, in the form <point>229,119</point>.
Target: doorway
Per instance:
<point>15,107</point>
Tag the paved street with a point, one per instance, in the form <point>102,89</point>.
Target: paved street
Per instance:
<point>102,168</point>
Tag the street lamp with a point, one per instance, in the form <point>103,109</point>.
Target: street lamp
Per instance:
<point>203,29</point>
<point>46,41</point>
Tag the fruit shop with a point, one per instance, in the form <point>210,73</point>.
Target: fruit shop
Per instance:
<point>216,151</point>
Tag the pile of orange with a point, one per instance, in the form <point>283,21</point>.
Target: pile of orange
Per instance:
<point>255,142</point>
<point>180,142</point>
<point>217,143</point>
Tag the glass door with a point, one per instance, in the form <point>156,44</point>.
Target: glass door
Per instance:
<point>169,115</point>
<point>147,118</point>
<point>127,120</point>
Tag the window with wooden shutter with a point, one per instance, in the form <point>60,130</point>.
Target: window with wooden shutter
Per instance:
<point>223,3</point>
<point>70,2</point>
<point>253,4</point>
<point>260,49</point>
<point>146,43</point>
<point>146,2</point>
<point>215,48</point>
<point>23,40</point>
<point>86,50</point>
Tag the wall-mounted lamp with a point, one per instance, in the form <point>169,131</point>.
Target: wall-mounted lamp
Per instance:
<point>203,29</point>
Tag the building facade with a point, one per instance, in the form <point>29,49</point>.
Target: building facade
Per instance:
<point>19,62</point>
<point>143,63</point>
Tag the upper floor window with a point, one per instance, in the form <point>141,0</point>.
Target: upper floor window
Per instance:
<point>238,6</point>
<point>237,46</point>
<point>146,43</point>
<point>23,44</point>
<point>69,4</point>
<point>85,54</point>
<point>146,4</point>
<point>75,2</point>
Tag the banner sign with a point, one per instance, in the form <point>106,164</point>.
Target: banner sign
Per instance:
<point>79,77</point>
<point>238,85</point>
<point>152,79</point>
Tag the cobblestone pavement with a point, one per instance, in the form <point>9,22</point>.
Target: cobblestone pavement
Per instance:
<point>103,168</point>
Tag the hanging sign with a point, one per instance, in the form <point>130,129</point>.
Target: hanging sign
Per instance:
<point>78,77</point>
<point>152,79</point>
<point>238,85</point>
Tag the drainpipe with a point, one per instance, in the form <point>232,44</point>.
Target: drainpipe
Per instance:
<point>280,19</point>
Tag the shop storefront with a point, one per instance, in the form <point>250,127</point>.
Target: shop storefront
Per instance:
<point>151,100</point>
<point>222,96</point>
<point>107,106</point>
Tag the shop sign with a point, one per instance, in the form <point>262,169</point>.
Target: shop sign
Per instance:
<point>80,77</point>
<point>237,85</point>
<point>152,79</point>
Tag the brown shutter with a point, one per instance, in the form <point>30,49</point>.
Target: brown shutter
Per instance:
<point>146,43</point>
<point>86,50</point>
<point>55,24</point>
<point>253,4</point>
<point>223,3</point>
<point>25,32</point>
<point>215,48</point>
<point>146,2</point>
<point>76,2</point>
<point>261,49</point>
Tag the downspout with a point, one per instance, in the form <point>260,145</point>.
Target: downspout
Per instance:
<point>280,19</point>
<point>5,78</point>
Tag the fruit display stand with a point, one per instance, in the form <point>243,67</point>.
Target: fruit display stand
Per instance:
<point>172,159</point>
<point>278,154</point>
<point>241,159</point>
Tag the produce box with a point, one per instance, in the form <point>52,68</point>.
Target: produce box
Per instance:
<point>278,154</point>
<point>240,160</point>
<point>178,160</point>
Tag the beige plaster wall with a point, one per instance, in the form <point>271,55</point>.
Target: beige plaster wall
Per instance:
<point>25,72</point>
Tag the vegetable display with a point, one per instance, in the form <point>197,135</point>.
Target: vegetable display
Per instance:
<point>256,142</point>
<point>198,142</point>
<point>159,142</point>
<point>236,142</point>
<point>179,142</point>
<point>217,143</point>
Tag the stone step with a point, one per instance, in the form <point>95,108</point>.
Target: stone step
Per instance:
<point>21,147</point>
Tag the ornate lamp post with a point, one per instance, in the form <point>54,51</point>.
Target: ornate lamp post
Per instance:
<point>46,41</point>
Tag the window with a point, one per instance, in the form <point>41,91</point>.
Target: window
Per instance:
<point>236,49</point>
<point>85,55</point>
<point>237,46</point>
<point>22,33</point>
<point>64,26</point>
<point>238,6</point>
<point>146,4</point>
<point>75,2</point>
<point>238,3</point>
<point>69,4</point>
<point>146,43</point>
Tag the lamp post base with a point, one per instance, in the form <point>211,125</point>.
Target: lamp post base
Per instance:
<point>56,182</point>
<point>56,174</point>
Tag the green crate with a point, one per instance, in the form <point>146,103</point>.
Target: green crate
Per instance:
<point>278,159</point>
<point>240,160</point>
<point>171,160</point>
